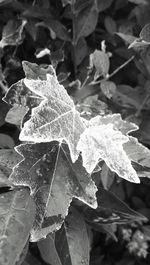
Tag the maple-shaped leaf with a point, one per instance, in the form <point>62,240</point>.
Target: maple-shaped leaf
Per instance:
<point>106,144</point>
<point>55,118</point>
<point>54,180</point>
<point>106,136</point>
<point>20,98</point>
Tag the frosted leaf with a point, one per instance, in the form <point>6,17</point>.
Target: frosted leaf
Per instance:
<point>54,180</point>
<point>55,118</point>
<point>104,143</point>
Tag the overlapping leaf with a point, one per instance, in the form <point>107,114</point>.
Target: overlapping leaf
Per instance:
<point>109,141</point>
<point>17,213</point>
<point>70,244</point>
<point>8,159</point>
<point>48,170</point>
<point>12,33</point>
<point>55,118</point>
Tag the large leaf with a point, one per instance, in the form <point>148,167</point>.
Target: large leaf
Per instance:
<point>17,213</point>
<point>48,171</point>
<point>70,244</point>
<point>55,118</point>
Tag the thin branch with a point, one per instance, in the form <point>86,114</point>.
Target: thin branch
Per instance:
<point>114,72</point>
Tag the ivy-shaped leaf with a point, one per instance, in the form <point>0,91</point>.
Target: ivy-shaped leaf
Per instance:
<point>17,213</point>
<point>55,118</point>
<point>48,171</point>
<point>109,141</point>
<point>106,144</point>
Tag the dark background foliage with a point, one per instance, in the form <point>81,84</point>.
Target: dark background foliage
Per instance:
<point>117,80</point>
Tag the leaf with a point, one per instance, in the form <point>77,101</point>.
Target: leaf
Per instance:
<point>137,152</point>
<point>12,33</point>
<point>19,97</point>
<point>118,124</point>
<point>8,159</point>
<point>57,27</point>
<point>17,213</point>
<point>100,61</point>
<point>6,141</point>
<point>48,250</point>
<point>103,4</point>
<point>127,38</point>
<point>16,114</point>
<point>139,2</point>
<point>85,22</point>
<point>5,2</point>
<point>55,118</point>
<point>71,242</point>
<point>145,33</point>
<point>48,171</point>
<point>81,50</point>
<point>4,108</point>
<point>108,88</point>
<point>106,143</point>
<point>66,2</point>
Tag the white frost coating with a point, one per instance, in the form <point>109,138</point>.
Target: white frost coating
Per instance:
<point>55,118</point>
<point>103,142</point>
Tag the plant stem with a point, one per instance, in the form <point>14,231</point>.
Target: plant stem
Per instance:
<point>74,36</point>
<point>114,72</point>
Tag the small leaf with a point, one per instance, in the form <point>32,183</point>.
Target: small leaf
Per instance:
<point>48,171</point>
<point>55,118</point>
<point>57,27</point>
<point>12,33</point>
<point>110,25</point>
<point>85,22</point>
<point>103,4</point>
<point>100,61</point>
<point>108,88</point>
<point>17,213</point>
<point>8,159</point>
<point>145,33</point>
<point>137,152</point>
<point>127,38</point>
<point>6,141</point>
<point>81,50</point>
<point>5,2</point>
<point>16,114</point>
